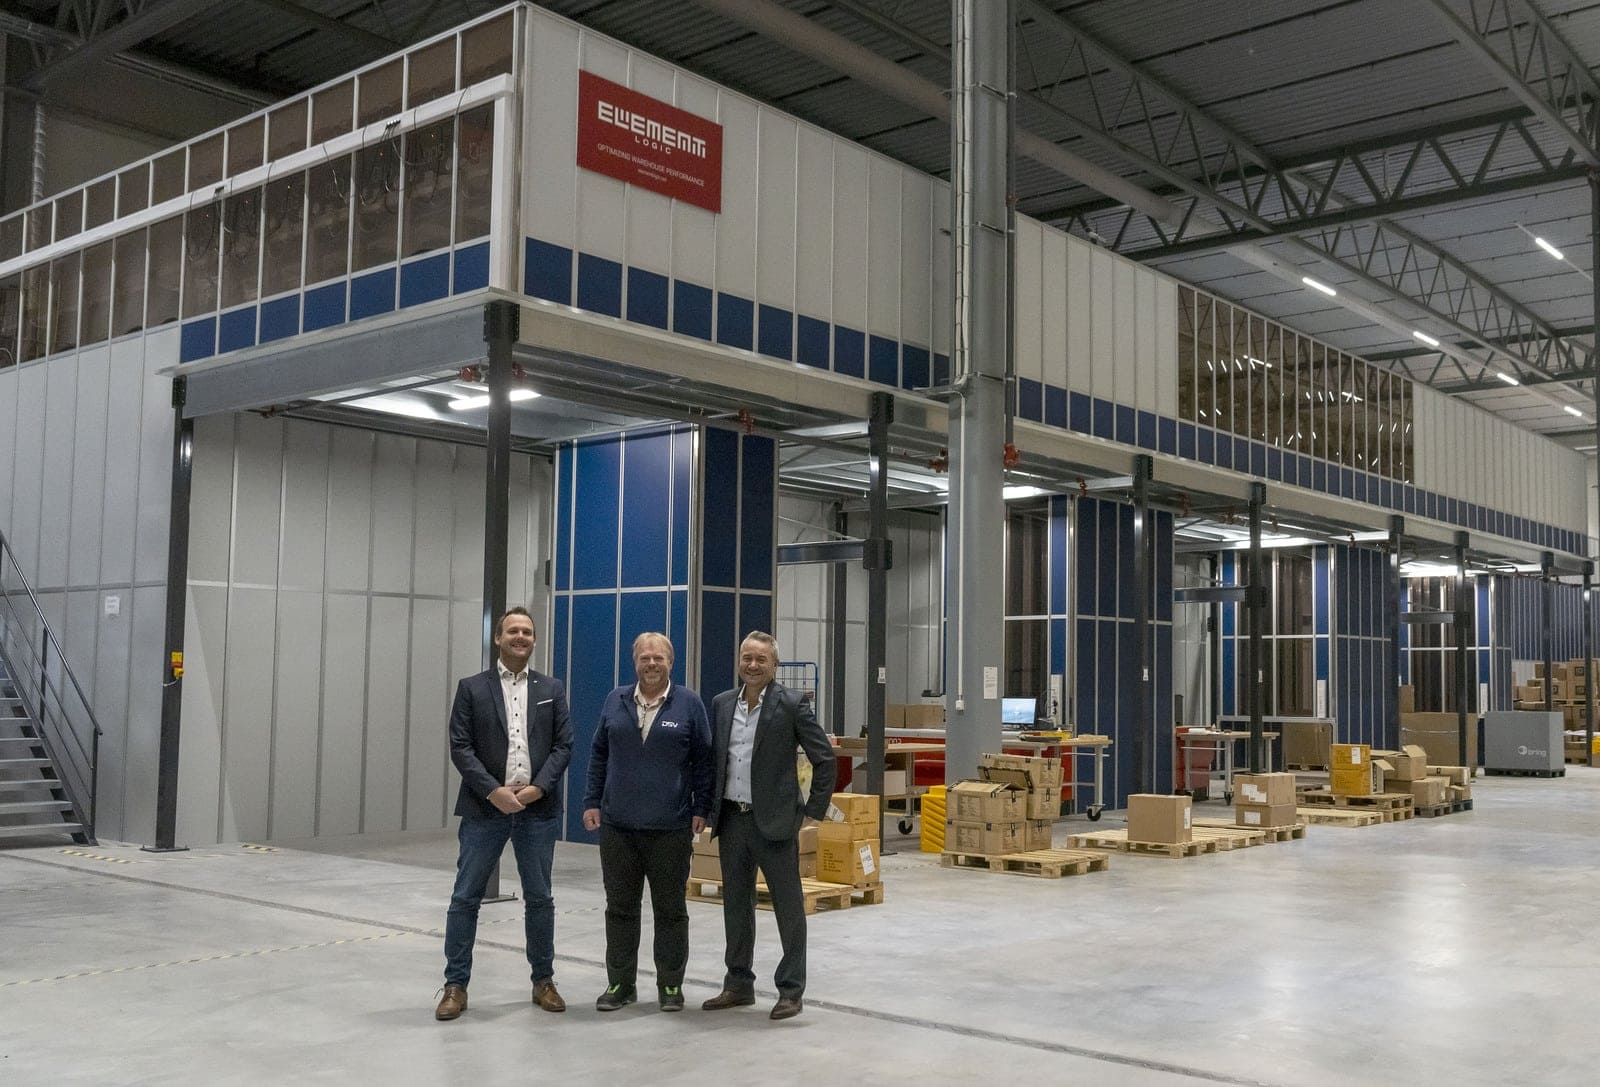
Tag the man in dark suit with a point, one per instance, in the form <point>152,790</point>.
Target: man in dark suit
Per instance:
<point>511,739</point>
<point>758,727</point>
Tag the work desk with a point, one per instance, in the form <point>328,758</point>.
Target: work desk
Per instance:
<point>1222,741</point>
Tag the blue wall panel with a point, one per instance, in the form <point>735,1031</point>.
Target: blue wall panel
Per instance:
<point>758,481</point>
<point>646,529</point>
<point>691,310</point>
<point>280,318</point>
<point>599,474</point>
<point>775,332</point>
<point>471,268</point>
<point>719,640</point>
<point>647,298</point>
<point>812,342</point>
<point>720,505</point>
<point>547,271</point>
<point>599,285</point>
<point>425,280</point>
<point>594,639</point>
<point>325,306</point>
<point>372,294</point>
<point>236,330</point>
<point>638,612</point>
<point>735,321</point>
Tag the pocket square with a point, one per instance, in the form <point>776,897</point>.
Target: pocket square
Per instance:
<point>544,702</point>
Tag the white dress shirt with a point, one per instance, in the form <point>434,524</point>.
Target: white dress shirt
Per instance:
<point>742,746</point>
<point>514,686</point>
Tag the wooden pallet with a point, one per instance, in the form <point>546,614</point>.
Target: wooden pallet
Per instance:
<point>1269,834</point>
<point>1324,815</point>
<point>1526,773</point>
<point>1042,863</point>
<point>1393,806</point>
<point>1449,807</point>
<point>1304,766</point>
<point>1116,841</point>
<point>816,894</point>
<point>1230,837</point>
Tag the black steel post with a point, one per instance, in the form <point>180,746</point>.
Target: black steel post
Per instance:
<point>838,628</point>
<point>1588,661</point>
<point>877,561</point>
<point>177,599</point>
<point>1145,745</point>
<point>501,328</point>
<point>1397,526</point>
<point>1256,610</point>
<point>1463,639</point>
<point>1214,650</point>
<point>1547,635</point>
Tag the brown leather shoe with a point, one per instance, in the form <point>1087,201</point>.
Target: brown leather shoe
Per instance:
<point>545,995</point>
<point>452,1004</point>
<point>787,1007</point>
<point>728,999</point>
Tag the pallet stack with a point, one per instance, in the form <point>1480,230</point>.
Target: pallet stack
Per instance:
<point>1568,695</point>
<point>1267,802</point>
<point>1003,821</point>
<point>1358,780</point>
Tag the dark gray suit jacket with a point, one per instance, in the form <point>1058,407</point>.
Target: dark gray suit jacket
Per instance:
<point>786,724</point>
<point>479,741</point>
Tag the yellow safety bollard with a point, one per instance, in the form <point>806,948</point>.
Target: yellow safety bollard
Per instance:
<point>933,820</point>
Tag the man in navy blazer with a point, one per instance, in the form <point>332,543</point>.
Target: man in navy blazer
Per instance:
<point>759,725</point>
<point>511,739</point>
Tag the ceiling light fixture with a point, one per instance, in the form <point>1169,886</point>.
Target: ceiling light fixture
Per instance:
<point>468,403</point>
<point>1570,410</point>
<point>1507,378</point>
<point>1548,248</point>
<point>1425,338</point>
<point>1318,285</point>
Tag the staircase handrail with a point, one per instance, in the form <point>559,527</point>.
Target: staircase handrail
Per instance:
<point>92,755</point>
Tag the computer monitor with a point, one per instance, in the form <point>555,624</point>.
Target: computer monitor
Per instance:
<point>1018,711</point>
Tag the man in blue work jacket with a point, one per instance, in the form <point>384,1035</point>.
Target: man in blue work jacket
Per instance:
<point>649,793</point>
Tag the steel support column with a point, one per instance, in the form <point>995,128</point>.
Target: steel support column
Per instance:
<point>1547,633</point>
<point>1397,589</point>
<point>1144,725</point>
<point>501,327</point>
<point>1463,639</point>
<point>838,627</point>
<point>1256,612</point>
<point>981,272</point>
<point>1213,651</point>
<point>877,561</point>
<point>177,603</point>
<point>1588,656</point>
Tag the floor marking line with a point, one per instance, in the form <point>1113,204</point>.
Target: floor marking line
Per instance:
<point>223,957</point>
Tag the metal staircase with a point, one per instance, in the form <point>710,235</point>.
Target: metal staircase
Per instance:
<point>49,738</point>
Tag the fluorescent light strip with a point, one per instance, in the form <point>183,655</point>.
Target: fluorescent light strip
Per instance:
<point>1425,338</point>
<point>1570,410</point>
<point>1548,248</point>
<point>468,403</point>
<point>1317,285</point>
<point>1507,378</point>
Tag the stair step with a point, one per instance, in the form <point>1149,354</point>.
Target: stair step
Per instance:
<point>24,784</point>
<point>17,741</point>
<point>24,764</point>
<point>28,830</point>
<point>34,807</point>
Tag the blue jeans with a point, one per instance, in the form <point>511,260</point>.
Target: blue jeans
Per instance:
<point>533,840</point>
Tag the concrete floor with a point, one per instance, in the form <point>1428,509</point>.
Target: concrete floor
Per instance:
<point>1456,950</point>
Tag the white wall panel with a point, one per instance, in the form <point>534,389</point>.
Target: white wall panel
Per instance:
<point>29,471</point>
<point>775,209</point>
<point>1053,307</point>
<point>88,467</point>
<point>303,543</point>
<point>122,503</point>
<point>144,713</point>
<point>1165,346</point>
<point>427,714</point>
<point>939,211</point>
<point>434,482</point>
<point>850,240</point>
<point>602,201</point>
<point>649,221</point>
<point>247,713</point>
<point>1125,342</point>
<point>814,224</point>
<point>297,715</point>
<point>257,500</point>
<point>736,226</point>
<point>1080,304</point>
<point>1102,324</point>
<point>55,495</point>
<point>916,258</point>
<point>550,127</point>
<point>1029,306</point>
<point>344,713</point>
<point>8,426</point>
<point>694,229</point>
<point>883,247</point>
<point>388,700</point>
<point>154,497</point>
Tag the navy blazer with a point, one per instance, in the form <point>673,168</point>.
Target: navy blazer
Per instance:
<point>479,741</point>
<point>785,725</point>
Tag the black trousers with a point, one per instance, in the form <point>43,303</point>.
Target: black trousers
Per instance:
<point>629,858</point>
<point>744,849</point>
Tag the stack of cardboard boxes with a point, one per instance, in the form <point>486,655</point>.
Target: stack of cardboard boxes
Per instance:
<point>1569,688</point>
<point>705,863</point>
<point>1168,820</point>
<point>1010,808</point>
<point>1408,772</point>
<point>1353,771</point>
<point>847,841</point>
<point>1264,800</point>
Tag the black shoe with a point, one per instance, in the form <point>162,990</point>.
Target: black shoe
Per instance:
<point>672,998</point>
<point>617,996</point>
<point>728,999</point>
<point>787,1007</point>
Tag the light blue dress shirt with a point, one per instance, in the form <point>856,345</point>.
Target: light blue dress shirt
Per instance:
<point>742,747</point>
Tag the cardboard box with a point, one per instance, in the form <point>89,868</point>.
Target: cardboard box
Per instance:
<point>704,845</point>
<point>1352,781</point>
<point>991,838</point>
<point>924,715</point>
<point>1436,733</point>
<point>1025,771</point>
<point>808,865</point>
<point>1038,834</point>
<point>1044,803</point>
<point>1349,756</point>
<point>1429,791</point>
<point>985,802</point>
<point>1408,699</point>
<point>705,866</point>
<point>1154,818</point>
<point>1305,743</point>
<point>1409,765</point>
<point>1265,789</point>
<point>1265,815</point>
<point>1455,775</point>
<point>894,783</point>
<point>857,809</point>
<point>853,861</point>
<point>808,840</point>
<point>894,715</point>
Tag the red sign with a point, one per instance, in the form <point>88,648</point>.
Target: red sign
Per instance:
<point>646,142</point>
